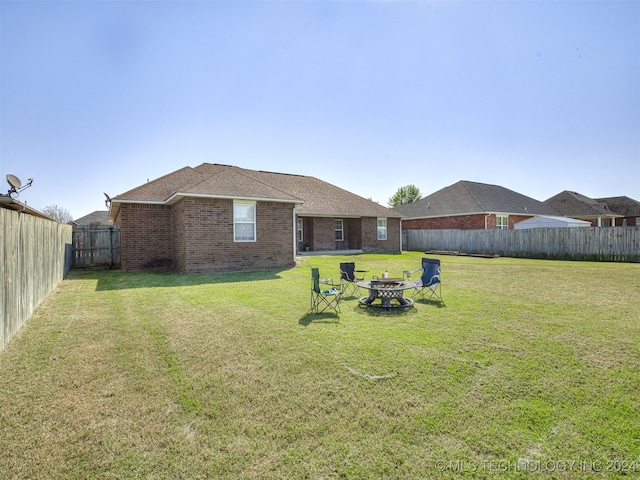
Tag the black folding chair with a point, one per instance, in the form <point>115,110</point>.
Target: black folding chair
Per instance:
<point>348,278</point>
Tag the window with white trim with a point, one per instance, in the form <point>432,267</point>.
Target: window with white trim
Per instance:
<point>300,231</point>
<point>502,222</point>
<point>244,221</point>
<point>382,229</point>
<point>339,230</point>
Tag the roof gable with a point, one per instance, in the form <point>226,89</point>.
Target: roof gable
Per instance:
<point>622,205</point>
<point>234,183</point>
<point>161,189</point>
<point>574,204</point>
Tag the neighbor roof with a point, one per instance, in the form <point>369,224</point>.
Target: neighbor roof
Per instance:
<point>314,197</point>
<point>465,198</point>
<point>99,216</point>
<point>623,205</point>
<point>574,204</point>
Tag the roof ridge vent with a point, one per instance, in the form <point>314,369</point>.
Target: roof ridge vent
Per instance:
<point>280,173</point>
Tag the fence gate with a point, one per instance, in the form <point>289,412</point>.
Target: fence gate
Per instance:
<point>96,246</point>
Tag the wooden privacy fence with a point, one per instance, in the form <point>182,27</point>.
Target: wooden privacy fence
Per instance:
<point>96,246</point>
<point>619,244</point>
<point>32,263</point>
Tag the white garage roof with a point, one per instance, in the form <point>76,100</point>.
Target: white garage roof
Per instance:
<point>548,221</point>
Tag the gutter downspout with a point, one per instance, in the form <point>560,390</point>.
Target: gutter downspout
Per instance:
<point>295,237</point>
<point>485,220</point>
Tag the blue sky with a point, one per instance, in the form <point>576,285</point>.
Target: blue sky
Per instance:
<point>535,96</point>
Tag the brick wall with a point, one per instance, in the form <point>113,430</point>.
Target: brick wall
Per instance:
<point>179,237</point>
<point>146,236</point>
<point>370,242</point>
<point>627,221</point>
<point>324,231</point>
<point>195,235</point>
<point>210,246</point>
<point>460,222</point>
<point>206,226</point>
<point>513,219</point>
<point>352,233</point>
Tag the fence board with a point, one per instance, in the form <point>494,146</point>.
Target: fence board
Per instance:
<point>32,259</point>
<point>615,244</point>
<point>96,246</point>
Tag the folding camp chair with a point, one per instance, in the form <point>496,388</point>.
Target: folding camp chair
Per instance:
<point>429,282</point>
<point>322,297</point>
<point>348,278</point>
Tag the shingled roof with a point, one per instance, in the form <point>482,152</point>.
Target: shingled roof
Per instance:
<point>315,197</point>
<point>576,205</point>
<point>622,205</point>
<point>466,198</point>
<point>98,217</point>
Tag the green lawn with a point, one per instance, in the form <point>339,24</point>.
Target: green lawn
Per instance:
<point>531,370</point>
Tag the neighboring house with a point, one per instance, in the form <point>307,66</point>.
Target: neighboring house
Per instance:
<point>625,206</point>
<point>215,218</point>
<point>575,205</point>
<point>548,221</point>
<point>99,217</point>
<point>471,206</point>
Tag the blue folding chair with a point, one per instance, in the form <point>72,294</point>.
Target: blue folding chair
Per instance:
<point>429,282</point>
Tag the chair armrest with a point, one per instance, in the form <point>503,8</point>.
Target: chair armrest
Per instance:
<point>329,281</point>
<point>408,273</point>
<point>361,277</point>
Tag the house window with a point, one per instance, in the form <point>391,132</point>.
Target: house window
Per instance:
<point>244,221</point>
<point>339,230</point>
<point>502,221</point>
<point>300,231</point>
<point>382,229</point>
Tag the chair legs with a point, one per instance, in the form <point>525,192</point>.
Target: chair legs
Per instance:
<point>321,302</point>
<point>428,292</point>
<point>350,288</point>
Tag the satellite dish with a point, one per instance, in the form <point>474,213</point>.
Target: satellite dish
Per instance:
<point>14,182</point>
<point>16,185</point>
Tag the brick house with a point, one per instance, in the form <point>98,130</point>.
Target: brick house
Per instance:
<point>471,206</point>
<point>625,206</point>
<point>216,218</point>
<point>581,207</point>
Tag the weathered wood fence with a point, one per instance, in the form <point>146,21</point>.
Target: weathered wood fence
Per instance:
<point>32,263</point>
<point>96,246</point>
<point>617,244</point>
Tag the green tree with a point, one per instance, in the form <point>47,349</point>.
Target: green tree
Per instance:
<point>405,195</point>
<point>59,214</point>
